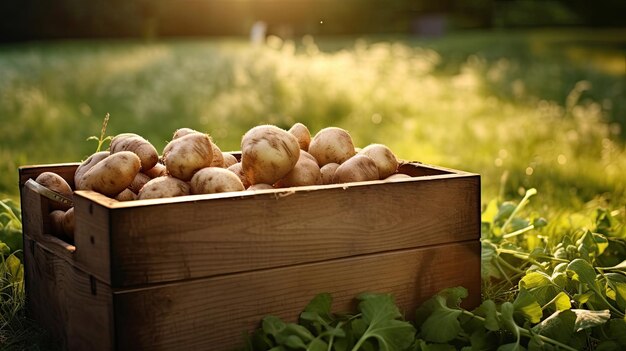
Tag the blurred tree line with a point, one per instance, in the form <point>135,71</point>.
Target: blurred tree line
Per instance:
<point>43,19</point>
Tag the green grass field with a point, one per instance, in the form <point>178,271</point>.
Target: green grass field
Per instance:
<point>548,108</point>
<point>541,109</point>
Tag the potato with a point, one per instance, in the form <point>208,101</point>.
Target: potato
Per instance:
<point>140,146</point>
<point>331,144</point>
<point>328,171</point>
<point>268,153</point>
<point>56,218</point>
<point>69,223</point>
<point>229,159</point>
<point>211,180</point>
<point>358,168</point>
<point>112,175</point>
<point>86,165</point>
<point>157,171</point>
<point>126,195</point>
<point>236,168</point>
<point>301,132</point>
<point>57,184</point>
<point>307,155</point>
<point>383,157</point>
<point>398,176</point>
<point>181,132</point>
<point>138,182</point>
<point>260,186</point>
<point>218,158</point>
<point>305,172</point>
<point>162,187</point>
<point>185,155</point>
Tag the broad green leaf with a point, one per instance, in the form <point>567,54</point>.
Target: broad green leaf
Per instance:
<point>489,311</point>
<point>511,347</point>
<point>482,340</point>
<point>608,345</point>
<point>620,267</point>
<point>582,271</point>
<point>321,303</point>
<point>540,222</point>
<point>4,249</point>
<point>317,313</point>
<point>562,302</point>
<point>534,280</point>
<point>506,317</point>
<point>488,269</point>
<point>617,331</point>
<point>559,326</point>
<point>505,211</point>
<point>526,304</point>
<point>583,298</point>
<point>293,342</point>
<point>317,345</point>
<point>443,324</point>
<point>586,319</point>
<point>490,212</point>
<point>380,314</point>
<point>272,325</point>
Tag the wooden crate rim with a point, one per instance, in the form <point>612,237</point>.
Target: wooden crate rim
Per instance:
<point>447,173</point>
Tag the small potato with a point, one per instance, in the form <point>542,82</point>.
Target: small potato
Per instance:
<point>113,174</point>
<point>87,164</point>
<point>268,153</point>
<point>236,168</point>
<point>138,182</point>
<point>301,132</point>
<point>187,154</point>
<point>384,158</point>
<point>331,144</point>
<point>55,183</point>
<point>260,186</point>
<point>305,172</point>
<point>126,195</point>
<point>137,144</point>
<point>211,180</point>
<point>69,223</point>
<point>328,171</point>
<point>229,159</point>
<point>157,171</point>
<point>307,155</point>
<point>358,168</point>
<point>218,158</point>
<point>163,187</point>
<point>397,176</point>
<point>181,132</point>
<point>56,218</point>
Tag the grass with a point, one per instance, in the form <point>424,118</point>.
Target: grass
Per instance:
<point>541,109</point>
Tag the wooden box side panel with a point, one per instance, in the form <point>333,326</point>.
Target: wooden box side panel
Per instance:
<point>212,313</point>
<point>72,305</point>
<point>203,238</point>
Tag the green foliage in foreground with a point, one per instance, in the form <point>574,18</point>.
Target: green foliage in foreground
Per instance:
<point>546,287</point>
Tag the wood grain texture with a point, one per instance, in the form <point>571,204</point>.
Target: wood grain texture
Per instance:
<point>159,243</point>
<point>212,313</point>
<point>73,306</point>
<point>65,170</point>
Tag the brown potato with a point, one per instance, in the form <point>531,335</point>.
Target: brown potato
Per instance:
<point>187,154</point>
<point>229,159</point>
<point>398,176</point>
<point>56,218</point>
<point>157,171</point>
<point>236,168</point>
<point>305,172</point>
<point>138,182</point>
<point>328,171</point>
<point>268,153</point>
<point>55,183</point>
<point>112,175</point>
<point>126,195</point>
<point>383,157</point>
<point>260,186</point>
<point>69,223</point>
<point>218,158</point>
<point>358,168</point>
<point>137,144</point>
<point>163,187</point>
<point>211,180</point>
<point>332,144</point>
<point>301,132</point>
<point>181,132</point>
<point>87,164</point>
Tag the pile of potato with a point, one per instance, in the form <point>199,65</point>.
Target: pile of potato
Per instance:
<point>191,163</point>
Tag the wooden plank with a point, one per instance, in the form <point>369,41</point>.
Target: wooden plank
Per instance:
<point>65,170</point>
<point>212,313</point>
<point>73,306</point>
<point>202,238</point>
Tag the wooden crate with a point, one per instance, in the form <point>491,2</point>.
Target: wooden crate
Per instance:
<point>196,272</point>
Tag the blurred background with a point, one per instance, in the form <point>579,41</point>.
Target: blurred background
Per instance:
<point>527,93</point>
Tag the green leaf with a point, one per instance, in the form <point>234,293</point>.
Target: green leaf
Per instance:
<point>559,326</point>
<point>490,212</point>
<point>617,331</point>
<point>443,324</point>
<point>489,311</point>
<point>534,279</point>
<point>380,313</point>
<point>582,271</point>
<point>506,317</point>
<point>317,345</point>
<point>526,304</point>
<point>586,319</point>
<point>4,249</point>
<point>273,325</point>
<point>488,269</point>
<point>511,347</point>
<point>562,302</point>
